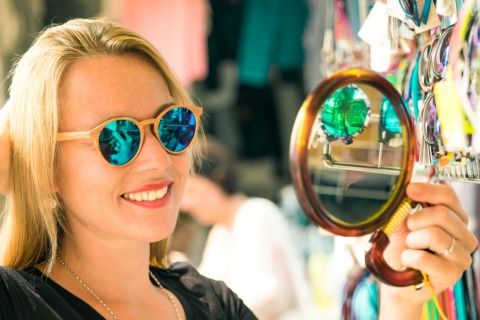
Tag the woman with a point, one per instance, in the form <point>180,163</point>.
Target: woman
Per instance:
<point>83,237</point>
<point>98,227</point>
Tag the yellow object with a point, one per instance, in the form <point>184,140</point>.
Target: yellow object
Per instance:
<point>434,297</point>
<point>451,115</point>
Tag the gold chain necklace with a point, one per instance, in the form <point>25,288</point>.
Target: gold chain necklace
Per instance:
<point>169,295</point>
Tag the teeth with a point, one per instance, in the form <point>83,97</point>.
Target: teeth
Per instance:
<point>146,195</point>
<point>161,192</point>
<point>152,195</point>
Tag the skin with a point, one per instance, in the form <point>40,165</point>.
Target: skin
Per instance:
<point>109,235</point>
<point>430,228</point>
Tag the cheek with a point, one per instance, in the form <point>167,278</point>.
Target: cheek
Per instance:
<point>181,165</point>
<point>81,175</point>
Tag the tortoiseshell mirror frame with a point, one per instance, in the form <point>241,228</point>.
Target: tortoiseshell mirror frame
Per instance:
<point>310,202</point>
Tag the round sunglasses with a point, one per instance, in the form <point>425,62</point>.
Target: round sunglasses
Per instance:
<point>119,140</point>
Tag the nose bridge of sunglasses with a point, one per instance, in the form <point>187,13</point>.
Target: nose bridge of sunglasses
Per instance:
<point>147,123</point>
<point>149,127</point>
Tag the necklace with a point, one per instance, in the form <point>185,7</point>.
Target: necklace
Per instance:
<point>169,295</point>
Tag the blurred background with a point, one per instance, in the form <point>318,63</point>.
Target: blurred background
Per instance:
<point>250,64</point>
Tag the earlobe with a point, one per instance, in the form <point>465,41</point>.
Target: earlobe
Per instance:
<point>53,203</point>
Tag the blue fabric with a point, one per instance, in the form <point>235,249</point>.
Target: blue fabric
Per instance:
<point>271,34</point>
<point>365,300</point>
<point>460,298</point>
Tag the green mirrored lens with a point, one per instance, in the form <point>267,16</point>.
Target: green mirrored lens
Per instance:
<point>177,129</point>
<point>344,113</point>
<point>119,141</point>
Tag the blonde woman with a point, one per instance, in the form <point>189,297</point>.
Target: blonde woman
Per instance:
<point>86,237</point>
<point>91,234</point>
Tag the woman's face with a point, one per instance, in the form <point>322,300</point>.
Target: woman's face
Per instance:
<point>97,196</point>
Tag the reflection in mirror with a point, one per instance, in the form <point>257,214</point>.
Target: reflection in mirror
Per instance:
<point>355,154</point>
<point>352,154</point>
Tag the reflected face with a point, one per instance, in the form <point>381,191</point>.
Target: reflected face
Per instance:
<point>139,201</point>
<point>204,200</point>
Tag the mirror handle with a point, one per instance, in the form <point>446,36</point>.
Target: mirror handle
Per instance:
<point>377,265</point>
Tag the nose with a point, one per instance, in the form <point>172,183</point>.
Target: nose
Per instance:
<point>152,155</point>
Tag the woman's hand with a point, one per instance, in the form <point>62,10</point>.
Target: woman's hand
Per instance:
<point>435,240</point>
<point>123,148</point>
<point>4,148</point>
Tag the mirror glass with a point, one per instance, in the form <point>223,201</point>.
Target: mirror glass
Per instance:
<point>355,153</point>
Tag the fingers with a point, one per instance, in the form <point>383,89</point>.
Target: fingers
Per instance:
<point>437,225</point>
<point>128,140</point>
<point>443,272</point>
<point>434,227</point>
<point>436,239</point>
<point>124,143</point>
<point>436,194</point>
<point>445,246</point>
<point>118,137</point>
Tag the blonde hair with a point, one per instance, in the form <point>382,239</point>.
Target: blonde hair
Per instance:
<point>31,227</point>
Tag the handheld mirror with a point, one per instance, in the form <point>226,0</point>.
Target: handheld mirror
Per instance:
<point>352,154</point>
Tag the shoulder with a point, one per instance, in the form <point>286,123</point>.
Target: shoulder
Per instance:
<point>266,206</point>
<point>16,295</point>
<point>184,274</point>
<point>260,202</point>
<point>221,301</point>
<point>12,280</point>
<point>261,207</point>
<point>24,295</point>
<point>261,211</point>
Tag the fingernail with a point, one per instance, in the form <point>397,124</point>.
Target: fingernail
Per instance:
<point>414,189</point>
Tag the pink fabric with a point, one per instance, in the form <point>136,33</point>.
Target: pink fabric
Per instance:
<point>178,29</point>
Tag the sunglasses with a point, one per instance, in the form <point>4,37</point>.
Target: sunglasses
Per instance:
<point>120,139</point>
<point>434,58</point>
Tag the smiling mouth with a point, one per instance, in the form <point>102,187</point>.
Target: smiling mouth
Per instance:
<point>146,195</point>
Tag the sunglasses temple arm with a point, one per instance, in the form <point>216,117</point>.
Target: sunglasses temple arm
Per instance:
<point>72,135</point>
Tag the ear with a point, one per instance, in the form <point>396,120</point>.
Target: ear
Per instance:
<point>5,150</point>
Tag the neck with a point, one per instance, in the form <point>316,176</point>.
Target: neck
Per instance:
<point>100,264</point>
<point>116,270</point>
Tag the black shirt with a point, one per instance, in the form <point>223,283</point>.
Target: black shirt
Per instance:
<point>27,295</point>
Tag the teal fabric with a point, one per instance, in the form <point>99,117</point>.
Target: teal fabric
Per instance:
<point>460,298</point>
<point>415,87</point>
<point>271,34</point>
<point>365,300</point>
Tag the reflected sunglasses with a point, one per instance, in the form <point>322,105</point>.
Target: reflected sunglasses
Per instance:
<point>119,140</point>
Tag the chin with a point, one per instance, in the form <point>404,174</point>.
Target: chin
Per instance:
<point>150,232</point>
<point>153,237</point>
<point>162,234</point>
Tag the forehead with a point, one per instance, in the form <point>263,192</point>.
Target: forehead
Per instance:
<point>103,87</point>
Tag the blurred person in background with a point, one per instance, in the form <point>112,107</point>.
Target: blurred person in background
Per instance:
<point>249,246</point>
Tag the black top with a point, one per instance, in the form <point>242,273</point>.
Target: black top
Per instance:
<point>28,295</point>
